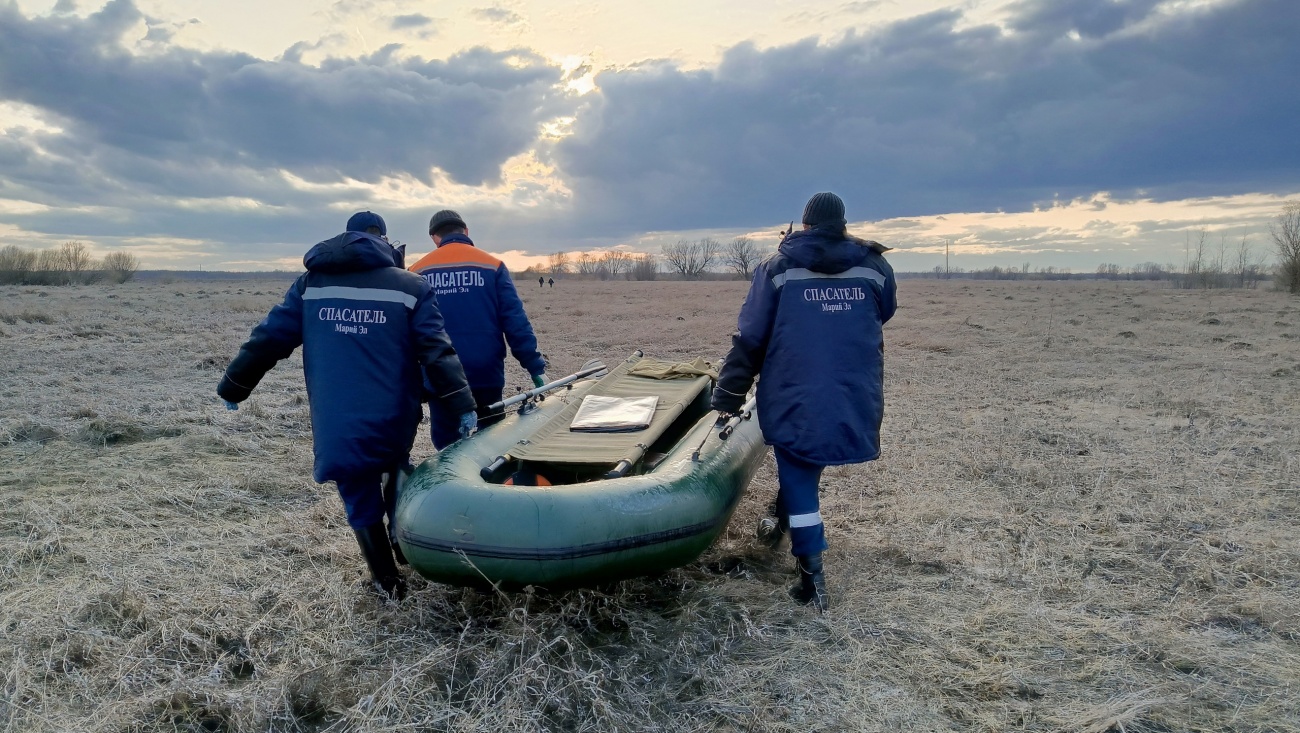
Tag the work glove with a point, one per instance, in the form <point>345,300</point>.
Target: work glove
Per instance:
<point>726,402</point>
<point>468,422</point>
<point>539,379</point>
<point>723,417</point>
<point>231,405</point>
<point>230,391</point>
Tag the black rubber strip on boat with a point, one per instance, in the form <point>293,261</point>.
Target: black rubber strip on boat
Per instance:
<point>563,553</point>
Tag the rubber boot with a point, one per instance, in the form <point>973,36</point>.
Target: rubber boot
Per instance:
<point>379,558</point>
<point>391,484</point>
<point>811,588</point>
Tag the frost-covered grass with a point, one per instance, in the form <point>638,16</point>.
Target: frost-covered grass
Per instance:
<point>1085,520</point>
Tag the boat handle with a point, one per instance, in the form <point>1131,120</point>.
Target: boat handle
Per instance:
<point>491,468</point>
<point>746,412</point>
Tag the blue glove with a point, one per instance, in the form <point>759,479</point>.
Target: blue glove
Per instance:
<point>468,422</point>
<point>230,405</point>
<point>539,379</point>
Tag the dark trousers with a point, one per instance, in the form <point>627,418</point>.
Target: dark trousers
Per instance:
<point>444,428</point>
<point>797,501</point>
<point>367,497</point>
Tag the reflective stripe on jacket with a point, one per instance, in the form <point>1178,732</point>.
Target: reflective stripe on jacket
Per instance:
<point>368,330</point>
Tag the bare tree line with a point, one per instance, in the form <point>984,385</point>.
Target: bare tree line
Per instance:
<point>1206,264</point>
<point>71,263</point>
<point>693,259</point>
<point>611,264</point>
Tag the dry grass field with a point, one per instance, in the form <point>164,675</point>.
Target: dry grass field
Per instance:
<point>1086,519</point>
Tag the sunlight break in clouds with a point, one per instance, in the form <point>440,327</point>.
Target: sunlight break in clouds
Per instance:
<point>1120,232</point>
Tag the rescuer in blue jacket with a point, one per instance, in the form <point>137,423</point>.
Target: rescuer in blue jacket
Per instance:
<point>483,314</point>
<point>811,326</point>
<point>371,333</point>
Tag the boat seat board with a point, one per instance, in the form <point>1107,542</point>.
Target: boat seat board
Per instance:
<point>555,443</point>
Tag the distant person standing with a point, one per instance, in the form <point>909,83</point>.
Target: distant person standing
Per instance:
<point>541,282</point>
<point>811,325</point>
<point>483,313</point>
<point>552,281</point>
<point>370,331</point>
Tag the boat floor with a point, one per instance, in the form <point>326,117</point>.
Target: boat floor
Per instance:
<point>555,443</point>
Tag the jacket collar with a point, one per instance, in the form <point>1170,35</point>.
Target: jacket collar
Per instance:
<point>455,238</point>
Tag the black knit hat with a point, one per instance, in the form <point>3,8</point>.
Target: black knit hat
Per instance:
<point>444,218</point>
<point>824,209</point>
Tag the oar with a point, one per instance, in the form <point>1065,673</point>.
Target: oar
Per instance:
<point>593,368</point>
<point>728,427</point>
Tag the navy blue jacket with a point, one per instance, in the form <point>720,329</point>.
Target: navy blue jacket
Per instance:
<point>368,328</point>
<point>480,303</point>
<point>811,325</point>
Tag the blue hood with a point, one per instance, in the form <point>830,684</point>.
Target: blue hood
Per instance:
<point>823,250</point>
<point>350,252</point>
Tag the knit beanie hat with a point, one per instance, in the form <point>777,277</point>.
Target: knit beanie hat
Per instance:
<point>363,220</point>
<point>444,218</point>
<point>824,209</point>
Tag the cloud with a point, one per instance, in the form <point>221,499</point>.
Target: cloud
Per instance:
<point>155,140</point>
<point>498,15</point>
<point>358,118</point>
<point>1090,18</point>
<point>125,137</point>
<point>927,115</point>
<point>412,20</point>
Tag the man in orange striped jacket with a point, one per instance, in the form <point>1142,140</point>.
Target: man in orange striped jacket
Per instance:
<point>482,312</point>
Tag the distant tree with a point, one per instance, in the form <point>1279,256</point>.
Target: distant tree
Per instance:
<point>644,267</point>
<point>586,264</point>
<point>1150,271</point>
<point>1285,231</point>
<point>559,263</point>
<point>49,270</point>
<point>120,267</point>
<point>710,252</point>
<point>617,262</point>
<point>679,256</point>
<point>16,265</point>
<point>73,259</point>
<point>1108,271</point>
<point>691,259</point>
<point>742,256</point>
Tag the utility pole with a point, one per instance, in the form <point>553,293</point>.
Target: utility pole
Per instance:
<point>947,271</point>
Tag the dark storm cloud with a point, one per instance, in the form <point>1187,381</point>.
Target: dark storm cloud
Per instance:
<point>923,116</point>
<point>927,115</point>
<point>363,118</point>
<point>1095,18</point>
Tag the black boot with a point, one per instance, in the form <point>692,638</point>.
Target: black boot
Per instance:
<point>379,558</point>
<point>390,487</point>
<point>811,588</point>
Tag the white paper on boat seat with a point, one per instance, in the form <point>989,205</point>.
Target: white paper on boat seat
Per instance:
<point>600,414</point>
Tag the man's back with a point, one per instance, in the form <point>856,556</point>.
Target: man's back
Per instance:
<point>366,327</point>
<point>480,305</point>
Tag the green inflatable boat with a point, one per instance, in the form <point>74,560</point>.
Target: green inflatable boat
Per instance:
<point>589,479</point>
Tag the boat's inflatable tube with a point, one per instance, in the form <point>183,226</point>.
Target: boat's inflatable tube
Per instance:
<point>455,527</point>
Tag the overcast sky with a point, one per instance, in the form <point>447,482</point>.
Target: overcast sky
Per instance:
<point>234,134</point>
